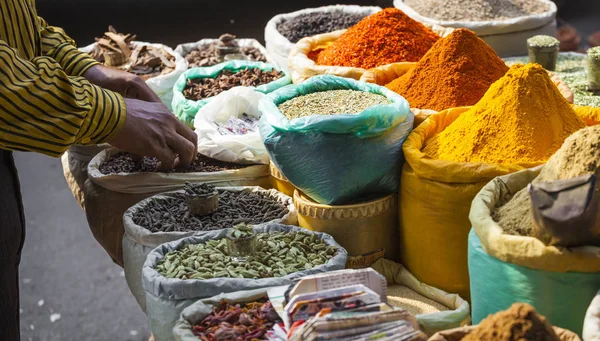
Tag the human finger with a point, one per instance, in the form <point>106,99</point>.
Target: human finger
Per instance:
<point>184,148</point>
<point>166,158</point>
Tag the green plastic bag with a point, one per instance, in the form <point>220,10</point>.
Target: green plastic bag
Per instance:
<point>186,109</point>
<point>335,159</point>
<point>563,297</point>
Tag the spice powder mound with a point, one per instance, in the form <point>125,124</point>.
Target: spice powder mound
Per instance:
<point>456,72</point>
<point>522,118</point>
<point>477,10</point>
<point>332,102</point>
<point>385,37</point>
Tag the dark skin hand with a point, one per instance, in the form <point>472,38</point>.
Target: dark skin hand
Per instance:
<point>150,129</point>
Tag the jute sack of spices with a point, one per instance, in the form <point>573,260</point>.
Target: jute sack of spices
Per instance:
<point>458,314</point>
<point>195,313</point>
<point>162,85</point>
<point>303,67</point>
<point>138,241</point>
<point>166,298</point>
<point>506,36</point>
<point>74,162</point>
<point>279,46</point>
<point>109,196</point>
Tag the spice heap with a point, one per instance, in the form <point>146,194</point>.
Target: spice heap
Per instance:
<point>543,41</point>
<point>201,88</point>
<point>117,50</point>
<point>332,102</point>
<point>520,322</point>
<point>522,118</point>
<point>277,254</point>
<point>579,155</point>
<point>124,163</point>
<point>238,322</point>
<point>241,231</point>
<point>170,213</point>
<point>209,54</point>
<point>198,189</point>
<point>310,24</point>
<point>401,296</point>
<point>476,10</point>
<point>385,37</point>
<point>455,72</point>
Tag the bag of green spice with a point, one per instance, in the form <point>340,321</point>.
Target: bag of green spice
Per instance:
<point>167,297</point>
<point>322,154</point>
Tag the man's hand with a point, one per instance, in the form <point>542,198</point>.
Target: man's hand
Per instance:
<point>151,130</point>
<point>125,83</point>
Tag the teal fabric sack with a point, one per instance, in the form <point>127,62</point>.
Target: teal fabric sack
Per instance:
<point>563,297</point>
<point>337,159</point>
<point>186,109</point>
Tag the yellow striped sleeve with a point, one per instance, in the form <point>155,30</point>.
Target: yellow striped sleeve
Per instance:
<point>42,109</point>
<point>60,47</point>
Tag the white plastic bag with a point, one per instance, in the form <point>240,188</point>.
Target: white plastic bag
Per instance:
<point>247,148</point>
<point>279,46</point>
<point>184,49</point>
<point>162,85</point>
<point>591,324</point>
<point>139,241</point>
<point>507,37</point>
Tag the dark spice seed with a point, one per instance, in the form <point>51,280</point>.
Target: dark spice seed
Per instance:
<point>201,88</point>
<point>123,163</point>
<point>307,25</point>
<point>234,208</point>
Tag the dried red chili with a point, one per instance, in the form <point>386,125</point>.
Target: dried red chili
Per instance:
<point>385,37</point>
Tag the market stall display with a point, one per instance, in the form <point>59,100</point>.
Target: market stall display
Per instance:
<point>365,139</point>
<point>165,218</point>
<point>284,30</point>
<point>455,72</point>
<point>158,64</point>
<point>453,154</point>
<point>167,297</point>
<point>519,322</point>
<point>197,86</point>
<point>505,24</point>
<point>350,53</point>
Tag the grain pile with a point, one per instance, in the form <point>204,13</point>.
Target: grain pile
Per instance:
<point>401,296</point>
<point>476,10</point>
<point>579,155</point>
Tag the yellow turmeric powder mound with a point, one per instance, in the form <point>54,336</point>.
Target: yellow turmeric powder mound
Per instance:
<point>522,118</point>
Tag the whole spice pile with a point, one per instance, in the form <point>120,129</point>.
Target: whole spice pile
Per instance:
<point>385,37</point>
<point>401,296</point>
<point>476,10</point>
<point>332,102</point>
<point>543,41</point>
<point>579,155</point>
<point>237,322</point>
<point>522,118</point>
<point>310,24</point>
<point>118,50</point>
<point>520,322</point>
<point>124,163</point>
<point>201,88</point>
<point>209,55</point>
<point>169,214</point>
<point>455,72</point>
<point>198,189</point>
<point>277,254</point>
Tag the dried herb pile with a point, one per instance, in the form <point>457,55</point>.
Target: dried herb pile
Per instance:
<point>124,163</point>
<point>118,50</point>
<point>169,214</point>
<point>200,88</point>
<point>277,254</point>
<point>208,54</point>
<point>238,322</point>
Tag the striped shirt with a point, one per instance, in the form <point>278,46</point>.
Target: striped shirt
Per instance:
<point>45,104</point>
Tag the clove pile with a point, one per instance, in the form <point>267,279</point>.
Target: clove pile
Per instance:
<point>238,322</point>
<point>200,88</point>
<point>118,50</point>
<point>124,163</point>
<point>209,54</point>
<point>168,214</point>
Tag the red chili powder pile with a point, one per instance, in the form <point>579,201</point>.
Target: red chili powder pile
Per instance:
<point>385,37</point>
